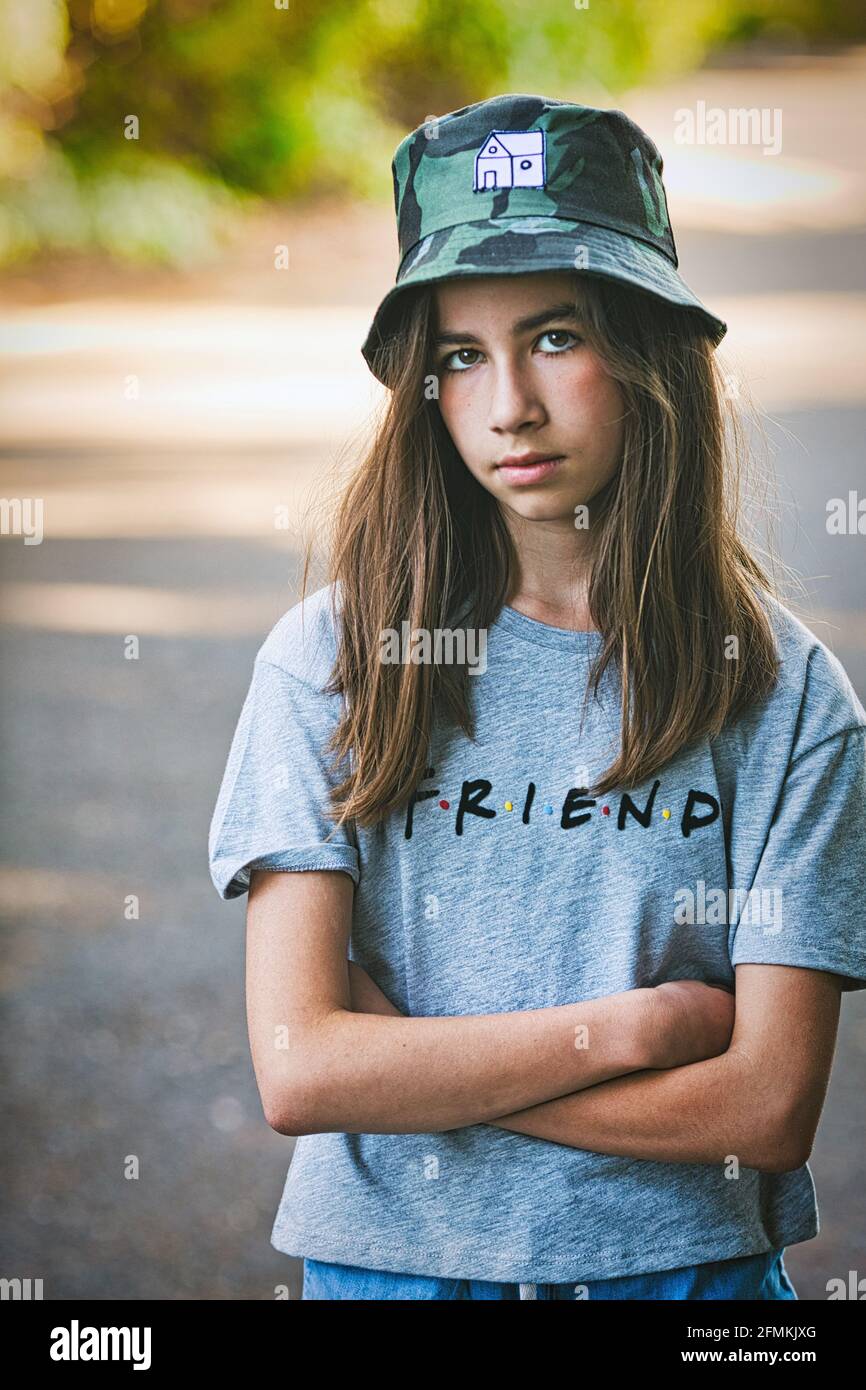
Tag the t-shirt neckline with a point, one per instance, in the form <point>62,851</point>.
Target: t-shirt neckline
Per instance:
<point>520,625</point>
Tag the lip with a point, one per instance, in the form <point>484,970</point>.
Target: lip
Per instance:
<point>528,468</point>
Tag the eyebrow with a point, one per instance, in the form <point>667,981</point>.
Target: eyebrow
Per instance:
<point>556,311</point>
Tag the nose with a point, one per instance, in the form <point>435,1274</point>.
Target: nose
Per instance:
<point>514,399</point>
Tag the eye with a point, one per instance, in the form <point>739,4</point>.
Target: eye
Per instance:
<point>463,366</point>
<point>562,332</point>
<point>556,350</point>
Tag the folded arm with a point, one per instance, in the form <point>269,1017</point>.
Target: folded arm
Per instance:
<point>759,1101</point>
<point>322,1066</point>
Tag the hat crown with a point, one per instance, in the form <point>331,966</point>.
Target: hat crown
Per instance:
<point>530,156</point>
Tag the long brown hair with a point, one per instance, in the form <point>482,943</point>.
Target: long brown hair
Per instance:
<point>416,538</point>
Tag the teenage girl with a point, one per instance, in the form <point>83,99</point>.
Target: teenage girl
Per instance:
<point>550,812</point>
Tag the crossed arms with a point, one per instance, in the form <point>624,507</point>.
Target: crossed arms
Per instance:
<point>332,1053</point>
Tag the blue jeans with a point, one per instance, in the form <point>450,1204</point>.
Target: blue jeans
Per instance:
<point>749,1277</point>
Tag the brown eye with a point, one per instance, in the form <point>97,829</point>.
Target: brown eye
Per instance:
<point>562,332</point>
<point>457,354</point>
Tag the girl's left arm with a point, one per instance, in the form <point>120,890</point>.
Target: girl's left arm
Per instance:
<point>759,1102</point>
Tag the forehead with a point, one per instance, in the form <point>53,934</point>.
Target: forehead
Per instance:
<point>501,297</point>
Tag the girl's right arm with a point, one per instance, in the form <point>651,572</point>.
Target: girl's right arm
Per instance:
<point>321,1067</point>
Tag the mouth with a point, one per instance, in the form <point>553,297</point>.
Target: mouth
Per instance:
<point>532,471</point>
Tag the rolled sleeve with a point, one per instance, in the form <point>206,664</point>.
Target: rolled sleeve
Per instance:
<point>271,807</point>
<point>805,905</point>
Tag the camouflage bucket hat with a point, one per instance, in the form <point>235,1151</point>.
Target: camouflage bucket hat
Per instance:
<point>525,183</point>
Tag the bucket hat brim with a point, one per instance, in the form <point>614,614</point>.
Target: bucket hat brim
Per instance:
<point>522,245</point>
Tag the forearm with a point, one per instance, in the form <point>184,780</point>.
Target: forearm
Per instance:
<point>382,1073</point>
<point>701,1113</point>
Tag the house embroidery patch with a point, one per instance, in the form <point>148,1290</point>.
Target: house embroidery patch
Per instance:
<point>510,159</point>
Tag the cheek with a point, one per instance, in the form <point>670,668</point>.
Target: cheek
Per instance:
<point>457,411</point>
<point>591,398</point>
<point>608,393</point>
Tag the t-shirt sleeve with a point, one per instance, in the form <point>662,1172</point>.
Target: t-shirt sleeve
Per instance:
<point>811,876</point>
<point>270,810</point>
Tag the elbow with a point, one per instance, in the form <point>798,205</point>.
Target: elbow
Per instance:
<point>779,1160</point>
<point>290,1109</point>
<point>780,1120</point>
<point>294,1095</point>
<point>290,1097</point>
<point>784,1147</point>
<point>278,1122</point>
<point>299,1099</point>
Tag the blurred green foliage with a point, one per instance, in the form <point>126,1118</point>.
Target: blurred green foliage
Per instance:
<point>237,100</point>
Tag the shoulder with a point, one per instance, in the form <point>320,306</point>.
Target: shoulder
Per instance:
<point>304,641</point>
<point>813,687</point>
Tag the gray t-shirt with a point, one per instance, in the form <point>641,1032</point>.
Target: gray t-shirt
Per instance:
<point>506,887</point>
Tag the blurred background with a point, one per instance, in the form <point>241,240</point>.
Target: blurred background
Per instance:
<point>196,224</point>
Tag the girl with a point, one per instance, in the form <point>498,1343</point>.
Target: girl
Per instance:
<point>542,776</point>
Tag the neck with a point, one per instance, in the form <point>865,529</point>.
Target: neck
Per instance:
<point>552,572</point>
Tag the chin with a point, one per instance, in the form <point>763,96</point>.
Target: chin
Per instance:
<point>542,508</point>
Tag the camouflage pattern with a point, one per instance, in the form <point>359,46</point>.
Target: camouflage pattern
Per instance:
<point>526,183</point>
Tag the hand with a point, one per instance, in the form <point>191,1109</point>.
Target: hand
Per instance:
<point>688,1021</point>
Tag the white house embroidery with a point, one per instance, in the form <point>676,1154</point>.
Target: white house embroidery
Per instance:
<point>510,159</point>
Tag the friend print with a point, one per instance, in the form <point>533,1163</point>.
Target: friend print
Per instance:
<point>699,808</point>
